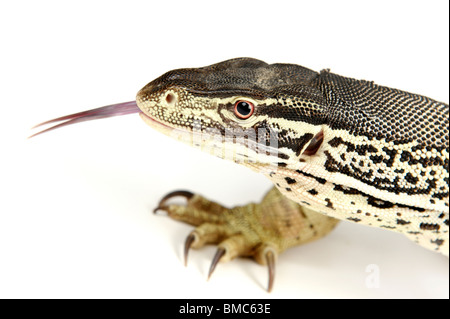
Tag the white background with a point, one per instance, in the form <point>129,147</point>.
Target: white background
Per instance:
<point>75,208</point>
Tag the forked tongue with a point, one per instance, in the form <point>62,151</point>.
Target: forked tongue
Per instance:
<point>94,114</point>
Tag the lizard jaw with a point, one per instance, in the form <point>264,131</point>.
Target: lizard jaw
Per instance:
<point>155,124</point>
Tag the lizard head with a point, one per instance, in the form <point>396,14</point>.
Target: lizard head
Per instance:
<point>243,109</point>
<point>233,109</point>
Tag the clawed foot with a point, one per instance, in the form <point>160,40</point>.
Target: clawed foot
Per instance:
<point>260,231</point>
<point>215,227</point>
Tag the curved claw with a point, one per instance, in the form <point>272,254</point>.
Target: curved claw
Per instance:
<point>270,260</point>
<point>164,208</point>
<point>219,254</point>
<point>186,194</point>
<point>187,245</point>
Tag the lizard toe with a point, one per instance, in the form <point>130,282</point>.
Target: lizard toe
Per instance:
<point>197,210</point>
<point>239,246</point>
<point>206,233</point>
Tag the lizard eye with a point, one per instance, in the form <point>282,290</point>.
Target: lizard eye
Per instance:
<point>243,109</point>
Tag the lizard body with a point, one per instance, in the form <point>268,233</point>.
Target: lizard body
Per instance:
<point>349,149</point>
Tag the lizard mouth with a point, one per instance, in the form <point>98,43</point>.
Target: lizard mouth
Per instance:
<point>180,134</point>
<point>155,123</point>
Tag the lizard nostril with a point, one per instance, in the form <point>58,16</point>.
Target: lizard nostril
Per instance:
<point>170,98</point>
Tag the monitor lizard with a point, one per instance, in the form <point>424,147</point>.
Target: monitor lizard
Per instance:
<point>334,147</point>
